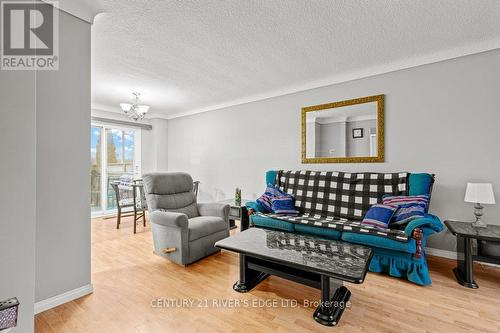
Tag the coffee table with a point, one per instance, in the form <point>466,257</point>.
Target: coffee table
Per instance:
<point>316,262</point>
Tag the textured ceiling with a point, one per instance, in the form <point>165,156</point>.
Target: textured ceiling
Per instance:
<point>186,56</point>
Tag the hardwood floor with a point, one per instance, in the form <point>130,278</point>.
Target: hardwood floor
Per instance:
<point>128,278</point>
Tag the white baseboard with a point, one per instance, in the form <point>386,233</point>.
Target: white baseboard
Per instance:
<point>441,253</point>
<point>451,255</point>
<point>68,296</point>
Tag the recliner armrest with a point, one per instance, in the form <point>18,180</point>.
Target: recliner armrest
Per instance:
<point>214,209</point>
<point>169,219</point>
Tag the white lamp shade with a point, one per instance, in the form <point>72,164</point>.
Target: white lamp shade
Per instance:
<point>125,106</point>
<point>480,193</point>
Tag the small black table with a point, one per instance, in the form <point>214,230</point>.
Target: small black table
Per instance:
<point>235,211</point>
<point>316,262</point>
<point>465,234</point>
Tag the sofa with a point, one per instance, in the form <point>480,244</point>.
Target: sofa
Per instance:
<point>184,230</point>
<point>397,252</point>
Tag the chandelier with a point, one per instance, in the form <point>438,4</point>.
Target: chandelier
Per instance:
<point>135,111</point>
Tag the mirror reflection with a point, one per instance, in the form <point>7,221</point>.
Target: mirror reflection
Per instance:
<point>348,131</point>
<point>343,130</point>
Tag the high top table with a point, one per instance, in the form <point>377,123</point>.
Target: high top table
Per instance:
<point>316,262</point>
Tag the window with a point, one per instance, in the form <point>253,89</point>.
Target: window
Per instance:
<point>114,151</point>
<point>95,168</point>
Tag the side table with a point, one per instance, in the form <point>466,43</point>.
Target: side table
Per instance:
<point>234,211</point>
<point>465,234</point>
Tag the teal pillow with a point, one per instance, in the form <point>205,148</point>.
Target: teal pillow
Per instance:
<point>420,183</point>
<point>271,177</point>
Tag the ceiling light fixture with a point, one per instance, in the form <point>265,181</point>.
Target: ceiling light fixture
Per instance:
<point>135,111</point>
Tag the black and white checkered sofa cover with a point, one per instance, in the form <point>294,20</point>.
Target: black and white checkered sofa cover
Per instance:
<point>339,200</point>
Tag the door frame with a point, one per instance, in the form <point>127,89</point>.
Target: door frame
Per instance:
<point>104,211</point>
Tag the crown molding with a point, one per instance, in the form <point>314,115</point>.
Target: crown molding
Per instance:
<point>362,118</point>
<point>333,120</point>
<point>155,115</point>
<point>107,108</point>
<point>449,54</point>
<point>117,110</point>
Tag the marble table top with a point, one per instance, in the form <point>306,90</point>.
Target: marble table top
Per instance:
<point>337,259</point>
<point>465,229</point>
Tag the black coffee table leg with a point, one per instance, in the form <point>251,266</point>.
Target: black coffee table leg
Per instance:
<point>465,265</point>
<point>249,278</point>
<point>334,298</point>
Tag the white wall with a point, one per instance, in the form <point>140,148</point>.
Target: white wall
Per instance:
<point>440,118</point>
<point>311,135</point>
<point>159,143</point>
<point>63,162</point>
<point>18,194</point>
<point>332,136</point>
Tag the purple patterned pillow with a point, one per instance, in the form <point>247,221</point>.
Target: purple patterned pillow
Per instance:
<point>284,205</point>
<point>379,216</point>
<point>407,213</point>
<point>407,200</point>
<point>265,199</point>
<point>410,207</point>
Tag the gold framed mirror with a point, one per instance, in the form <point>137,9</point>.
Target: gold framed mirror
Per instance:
<point>350,131</point>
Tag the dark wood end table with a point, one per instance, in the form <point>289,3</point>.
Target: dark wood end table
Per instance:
<point>465,234</point>
<point>235,211</point>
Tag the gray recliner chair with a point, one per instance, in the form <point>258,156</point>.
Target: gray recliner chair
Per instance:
<point>184,231</point>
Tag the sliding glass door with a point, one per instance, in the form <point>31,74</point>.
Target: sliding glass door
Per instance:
<point>114,151</point>
<point>95,169</point>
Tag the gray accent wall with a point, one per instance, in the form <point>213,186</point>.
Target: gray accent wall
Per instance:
<point>44,128</point>
<point>18,194</point>
<point>63,162</point>
<point>440,118</point>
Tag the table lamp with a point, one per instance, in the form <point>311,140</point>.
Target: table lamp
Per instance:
<point>479,193</point>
